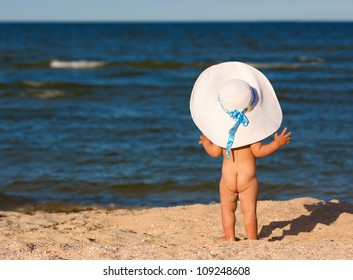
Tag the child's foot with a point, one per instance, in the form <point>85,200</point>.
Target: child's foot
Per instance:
<point>224,238</point>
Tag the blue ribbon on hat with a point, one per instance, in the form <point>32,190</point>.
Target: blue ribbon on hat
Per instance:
<point>239,118</point>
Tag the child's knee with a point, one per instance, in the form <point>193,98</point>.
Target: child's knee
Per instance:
<point>228,205</point>
<point>248,209</point>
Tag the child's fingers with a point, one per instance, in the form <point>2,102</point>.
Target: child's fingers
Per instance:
<point>284,131</point>
<point>288,135</point>
<point>201,137</point>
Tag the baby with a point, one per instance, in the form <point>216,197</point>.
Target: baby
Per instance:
<point>236,108</point>
<point>239,181</point>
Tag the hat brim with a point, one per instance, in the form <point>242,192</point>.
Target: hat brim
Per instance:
<point>264,119</point>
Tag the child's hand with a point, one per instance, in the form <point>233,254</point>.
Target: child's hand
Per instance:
<point>204,139</point>
<point>211,149</point>
<point>283,138</point>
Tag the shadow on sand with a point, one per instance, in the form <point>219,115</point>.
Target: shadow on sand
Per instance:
<point>320,213</point>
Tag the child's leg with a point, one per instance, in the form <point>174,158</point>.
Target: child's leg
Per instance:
<point>228,207</point>
<point>248,199</point>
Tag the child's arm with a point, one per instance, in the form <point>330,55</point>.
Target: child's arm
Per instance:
<point>262,150</point>
<point>212,149</point>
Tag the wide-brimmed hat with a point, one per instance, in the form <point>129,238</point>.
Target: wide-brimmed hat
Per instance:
<point>234,105</point>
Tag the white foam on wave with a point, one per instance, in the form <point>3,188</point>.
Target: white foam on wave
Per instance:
<point>79,64</point>
<point>303,63</point>
<point>292,66</point>
<point>49,94</point>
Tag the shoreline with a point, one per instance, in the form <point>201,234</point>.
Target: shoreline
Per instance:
<point>302,228</point>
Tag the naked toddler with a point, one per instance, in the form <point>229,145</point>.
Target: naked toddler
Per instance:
<point>235,107</point>
<point>239,181</point>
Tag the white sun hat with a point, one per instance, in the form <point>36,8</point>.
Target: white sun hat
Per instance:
<point>234,105</point>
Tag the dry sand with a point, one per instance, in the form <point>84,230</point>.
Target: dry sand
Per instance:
<point>304,228</point>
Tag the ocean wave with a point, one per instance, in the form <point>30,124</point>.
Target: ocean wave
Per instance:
<point>62,64</point>
<point>155,64</point>
<point>30,84</point>
<point>74,192</point>
<point>51,84</point>
<point>79,64</point>
<point>302,62</point>
<point>311,59</point>
<point>49,94</point>
<point>284,66</point>
<point>45,89</point>
<point>33,85</point>
<point>133,64</point>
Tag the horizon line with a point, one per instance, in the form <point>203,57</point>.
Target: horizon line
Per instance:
<point>166,20</point>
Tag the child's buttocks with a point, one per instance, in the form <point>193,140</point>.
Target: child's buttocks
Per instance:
<point>239,171</point>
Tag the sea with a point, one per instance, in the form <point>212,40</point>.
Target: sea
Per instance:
<point>98,113</point>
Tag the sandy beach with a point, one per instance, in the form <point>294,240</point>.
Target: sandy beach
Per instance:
<point>303,228</point>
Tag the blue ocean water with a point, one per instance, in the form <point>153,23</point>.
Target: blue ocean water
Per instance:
<point>98,113</point>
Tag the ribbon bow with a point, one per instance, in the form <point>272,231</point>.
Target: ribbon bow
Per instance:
<point>240,119</point>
